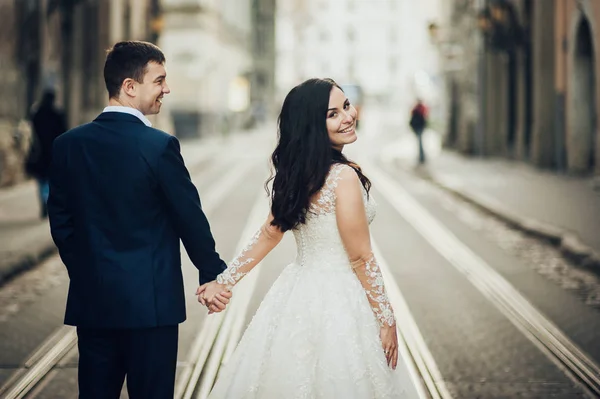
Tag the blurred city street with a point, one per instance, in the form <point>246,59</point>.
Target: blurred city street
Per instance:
<point>484,310</point>
<point>478,128</point>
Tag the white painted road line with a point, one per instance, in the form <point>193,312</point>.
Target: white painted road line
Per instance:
<point>411,342</point>
<point>42,365</point>
<point>202,343</point>
<point>235,315</point>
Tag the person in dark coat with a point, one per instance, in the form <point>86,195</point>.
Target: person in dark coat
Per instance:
<point>48,123</point>
<point>418,122</point>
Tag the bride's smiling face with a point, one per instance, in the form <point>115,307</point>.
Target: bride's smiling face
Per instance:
<point>341,120</point>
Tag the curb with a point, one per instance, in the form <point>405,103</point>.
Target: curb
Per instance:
<point>12,266</point>
<point>567,242</point>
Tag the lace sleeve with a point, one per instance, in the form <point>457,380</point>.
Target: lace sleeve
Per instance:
<point>369,275</point>
<point>354,231</point>
<point>262,242</point>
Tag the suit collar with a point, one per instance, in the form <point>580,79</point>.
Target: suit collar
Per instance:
<point>128,110</point>
<point>118,116</point>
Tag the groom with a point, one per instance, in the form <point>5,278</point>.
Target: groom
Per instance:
<point>120,200</point>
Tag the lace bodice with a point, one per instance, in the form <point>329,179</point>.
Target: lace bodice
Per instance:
<point>314,335</point>
<point>318,240</point>
<point>320,244</point>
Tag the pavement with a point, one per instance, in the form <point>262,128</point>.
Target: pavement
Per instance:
<point>560,208</point>
<point>25,238</point>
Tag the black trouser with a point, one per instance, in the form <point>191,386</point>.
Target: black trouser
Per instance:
<point>419,133</point>
<point>148,356</point>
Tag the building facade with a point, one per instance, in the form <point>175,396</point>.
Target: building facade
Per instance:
<point>533,84</point>
<point>220,56</point>
<point>59,45</point>
<point>381,46</point>
<point>13,104</point>
<point>262,82</point>
<point>353,42</point>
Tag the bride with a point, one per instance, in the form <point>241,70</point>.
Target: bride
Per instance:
<point>326,328</point>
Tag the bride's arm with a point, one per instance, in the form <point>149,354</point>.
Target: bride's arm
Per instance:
<point>262,242</point>
<point>354,231</point>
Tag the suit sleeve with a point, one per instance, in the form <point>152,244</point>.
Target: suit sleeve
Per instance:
<point>185,209</point>
<point>59,212</point>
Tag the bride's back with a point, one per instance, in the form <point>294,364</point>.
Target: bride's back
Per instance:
<point>318,240</point>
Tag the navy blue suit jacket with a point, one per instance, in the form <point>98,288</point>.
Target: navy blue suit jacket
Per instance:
<point>120,200</point>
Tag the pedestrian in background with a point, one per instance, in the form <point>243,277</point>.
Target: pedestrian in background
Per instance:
<point>418,122</point>
<point>48,123</point>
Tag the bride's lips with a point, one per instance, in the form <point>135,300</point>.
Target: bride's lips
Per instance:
<point>348,129</point>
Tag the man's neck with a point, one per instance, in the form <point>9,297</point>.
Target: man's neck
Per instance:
<point>114,102</point>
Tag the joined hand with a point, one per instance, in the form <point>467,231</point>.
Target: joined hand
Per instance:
<point>214,296</point>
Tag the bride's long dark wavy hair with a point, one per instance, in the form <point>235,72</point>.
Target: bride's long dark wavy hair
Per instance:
<point>304,154</point>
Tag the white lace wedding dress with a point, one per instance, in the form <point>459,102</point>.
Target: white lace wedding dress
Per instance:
<point>316,333</point>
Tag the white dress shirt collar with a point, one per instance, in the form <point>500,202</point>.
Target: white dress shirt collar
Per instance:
<point>128,110</point>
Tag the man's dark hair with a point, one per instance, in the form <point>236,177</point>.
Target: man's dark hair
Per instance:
<point>128,60</point>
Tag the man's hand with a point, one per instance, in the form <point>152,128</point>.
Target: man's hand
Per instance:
<point>214,296</point>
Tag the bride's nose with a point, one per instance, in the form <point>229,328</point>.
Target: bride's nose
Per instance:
<point>348,116</point>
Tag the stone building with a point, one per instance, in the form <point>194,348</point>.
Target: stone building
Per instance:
<point>19,40</point>
<point>220,56</point>
<point>380,50</point>
<point>262,80</point>
<point>533,85</point>
<point>354,42</point>
<point>463,80</point>
<point>60,45</point>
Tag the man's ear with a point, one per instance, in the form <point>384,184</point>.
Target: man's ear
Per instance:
<point>129,87</point>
